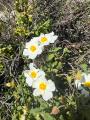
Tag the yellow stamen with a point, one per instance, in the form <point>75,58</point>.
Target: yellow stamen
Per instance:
<point>86,84</point>
<point>44,39</point>
<point>33,48</point>
<point>78,75</point>
<point>42,86</point>
<point>33,74</point>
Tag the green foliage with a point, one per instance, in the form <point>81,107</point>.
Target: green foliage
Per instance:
<point>25,25</point>
<point>42,26</point>
<point>84,67</point>
<point>62,61</point>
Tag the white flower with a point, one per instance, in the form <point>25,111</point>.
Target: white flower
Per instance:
<point>46,39</point>
<point>32,49</point>
<point>85,81</point>
<point>32,74</point>
<point>44,88</point>
<point>78,82</point>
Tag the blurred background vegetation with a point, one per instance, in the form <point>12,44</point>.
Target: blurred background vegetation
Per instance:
<point>20,20</point>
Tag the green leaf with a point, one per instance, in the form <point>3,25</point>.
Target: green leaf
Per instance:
<point>65,50</point>
<point>84,67</point>
<point>19,108</point>
<point>47,116</point>
<point>35,111</point>
<point>59,65</point>
<point>55,64</point>
<point>57,49</point>
<point>50,57</point>
<point>61,117</point>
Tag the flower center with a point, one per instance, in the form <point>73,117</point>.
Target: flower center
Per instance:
<point>42,86</point>
<point>86,84</point>
<point>44,39</point>
<point>33,74</point>
<point>33,48</point>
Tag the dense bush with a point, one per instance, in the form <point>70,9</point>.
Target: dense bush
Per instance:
<point>63,61</point>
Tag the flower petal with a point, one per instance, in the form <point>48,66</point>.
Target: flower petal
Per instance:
<point>35,84</point>
<point>32,56</point>
<point>88,78</point>
<point>26,73</point>
<point>78,84</point>
<point>41,73</point>
<point>31,65</point>
<point>29,81</point>
<point>54,38</point>
<point>40,50</point>
<point>51,86</point>
<point>36,92</point>
<point>50,34</point>
<point>47,95</point>
<point>25,52</point>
